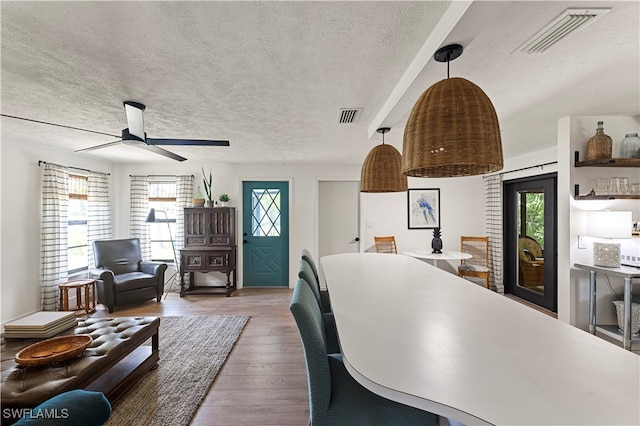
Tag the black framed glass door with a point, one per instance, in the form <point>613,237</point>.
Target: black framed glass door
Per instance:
<point>530,236</point>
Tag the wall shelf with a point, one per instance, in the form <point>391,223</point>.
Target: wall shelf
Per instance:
<point>606,162</point>
<point>577,196</point>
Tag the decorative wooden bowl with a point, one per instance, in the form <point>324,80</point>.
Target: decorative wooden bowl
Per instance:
<point>53,350</point>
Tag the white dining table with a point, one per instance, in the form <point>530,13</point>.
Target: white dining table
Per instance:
<point>435,257</point>
<point>470,354</point>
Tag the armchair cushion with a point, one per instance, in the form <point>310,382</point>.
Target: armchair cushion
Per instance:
<point>133,281</point>
<point>475,268</point>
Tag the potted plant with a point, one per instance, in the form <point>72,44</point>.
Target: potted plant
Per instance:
<point>208,189</point>
<point>224,199</point>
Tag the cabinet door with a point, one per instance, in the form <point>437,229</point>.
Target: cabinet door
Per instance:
<point>221,227</point>
<point>195,227</point>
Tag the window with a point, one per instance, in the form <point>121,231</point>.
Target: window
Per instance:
<point>162,198</point>
<point>77,241</point>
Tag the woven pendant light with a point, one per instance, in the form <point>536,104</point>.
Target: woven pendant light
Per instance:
<point>452,130</point>
<point>381,170</point>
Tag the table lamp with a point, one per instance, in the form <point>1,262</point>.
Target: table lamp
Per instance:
<point>607,225</point>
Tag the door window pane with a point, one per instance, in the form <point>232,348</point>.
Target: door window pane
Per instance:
<point>265,210</point>
<point>531,240</point>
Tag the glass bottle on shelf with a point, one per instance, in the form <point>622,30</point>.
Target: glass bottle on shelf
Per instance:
<point>600,145</point>
<point>198,198</point>
<point>630,146</point>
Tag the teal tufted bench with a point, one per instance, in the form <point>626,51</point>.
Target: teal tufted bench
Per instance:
<point>116,358</point>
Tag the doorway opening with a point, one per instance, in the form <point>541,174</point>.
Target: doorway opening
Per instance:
<point>338,218</point>
<point>530,237</point>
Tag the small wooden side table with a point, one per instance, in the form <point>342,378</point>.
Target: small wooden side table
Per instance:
<point>89,288</point>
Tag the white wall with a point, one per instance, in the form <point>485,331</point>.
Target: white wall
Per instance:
<point>462,212</point>
<point>20,222</point>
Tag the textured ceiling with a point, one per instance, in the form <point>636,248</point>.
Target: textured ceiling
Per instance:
<point>271,77</point>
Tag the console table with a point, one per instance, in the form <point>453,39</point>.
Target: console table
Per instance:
<point>209,246</point>
<point>113,362</point>
<point>628,274</point>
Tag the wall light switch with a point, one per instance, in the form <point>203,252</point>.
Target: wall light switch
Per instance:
<point>581,244</point>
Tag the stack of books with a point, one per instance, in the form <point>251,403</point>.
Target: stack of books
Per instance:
<point>40,325</point>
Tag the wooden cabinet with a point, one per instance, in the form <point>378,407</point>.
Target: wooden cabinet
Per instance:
<point>209,246</point>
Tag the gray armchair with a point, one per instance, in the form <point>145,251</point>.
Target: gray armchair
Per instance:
<point>122,277</point>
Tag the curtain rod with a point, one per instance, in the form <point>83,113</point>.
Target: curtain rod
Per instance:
<point>41,162</point>
<point>192,176</point>
<point>524,168</point>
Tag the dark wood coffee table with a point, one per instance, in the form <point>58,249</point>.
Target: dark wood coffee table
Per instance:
<point>115,360</point>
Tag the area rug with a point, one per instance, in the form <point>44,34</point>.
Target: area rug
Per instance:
<point>192,351</point>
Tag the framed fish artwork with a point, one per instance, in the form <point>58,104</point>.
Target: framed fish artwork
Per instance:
<point>424,208</point>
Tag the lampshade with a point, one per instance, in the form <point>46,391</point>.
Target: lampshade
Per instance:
<point>381,170</point>
<point>151,217</point>
<point>608,224</point>
<point>452,130</point>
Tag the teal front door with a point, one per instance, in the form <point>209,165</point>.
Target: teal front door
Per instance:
<point>265,234</point>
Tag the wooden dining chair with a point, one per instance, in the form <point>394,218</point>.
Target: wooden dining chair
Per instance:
<point>478,265</point>
<point>386,244</point>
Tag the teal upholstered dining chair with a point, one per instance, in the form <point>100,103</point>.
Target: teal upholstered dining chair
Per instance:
<point>306,273</point>
<point>324,294</point>
<point>336,398</point>
<point>328,320</point>
<point>306,256</point>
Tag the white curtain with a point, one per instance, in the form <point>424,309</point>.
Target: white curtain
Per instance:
<point>98,211</point>
<point>139,209</point>
<point>493,206</point>
<point>53,243</point>
<point>184,198</point>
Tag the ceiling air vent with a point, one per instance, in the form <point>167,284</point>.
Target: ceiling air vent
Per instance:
<point>349,115</point>
<point>568,22</point>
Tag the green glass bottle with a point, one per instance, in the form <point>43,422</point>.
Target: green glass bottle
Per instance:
<point>198,198</point>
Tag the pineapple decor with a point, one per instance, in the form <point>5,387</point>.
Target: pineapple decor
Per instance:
<point>436,243</point>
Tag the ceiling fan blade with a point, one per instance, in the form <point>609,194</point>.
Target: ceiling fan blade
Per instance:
<point>164,152</point>
<point>57,125</point>
<point>135,119</point>
<point>189,142</point>
<point>104,145</point>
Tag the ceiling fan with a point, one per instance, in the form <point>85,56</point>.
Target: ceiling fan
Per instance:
<point>135,135</point>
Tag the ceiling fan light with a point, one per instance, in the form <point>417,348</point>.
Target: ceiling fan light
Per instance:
<point>452,131</point>
<point>381,171</point>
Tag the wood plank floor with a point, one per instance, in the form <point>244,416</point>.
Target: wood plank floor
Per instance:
<point>263,381</point>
